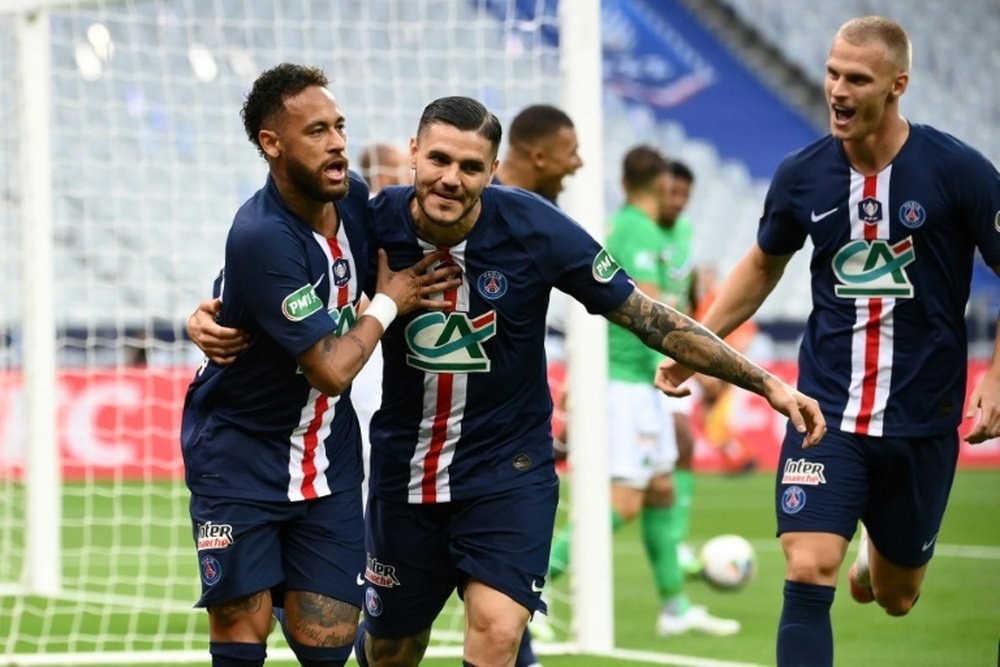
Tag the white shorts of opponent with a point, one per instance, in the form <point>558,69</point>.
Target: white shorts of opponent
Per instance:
<point>642,441</point>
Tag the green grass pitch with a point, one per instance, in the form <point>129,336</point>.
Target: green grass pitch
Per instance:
<point>957,621</point>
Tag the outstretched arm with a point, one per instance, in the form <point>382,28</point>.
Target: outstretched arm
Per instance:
<point>738,298</point>
<point>664,329</point>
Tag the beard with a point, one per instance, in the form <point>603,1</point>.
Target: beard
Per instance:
<point>312,183</point>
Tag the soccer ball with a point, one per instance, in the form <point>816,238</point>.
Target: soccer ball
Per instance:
<point>728,562</point>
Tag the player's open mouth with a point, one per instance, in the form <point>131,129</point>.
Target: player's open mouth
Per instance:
<point>336,171</point>
<point>841,113</point>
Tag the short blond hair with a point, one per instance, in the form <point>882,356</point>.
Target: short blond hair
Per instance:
<point>865,29</point>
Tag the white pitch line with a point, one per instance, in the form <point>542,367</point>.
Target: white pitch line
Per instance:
<point>973,551</point>
<point>655,658</point>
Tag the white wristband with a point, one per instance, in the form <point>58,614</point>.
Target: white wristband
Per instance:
<point>383,309</point>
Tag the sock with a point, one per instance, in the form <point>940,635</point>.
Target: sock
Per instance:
<point>559,558</point>
<point>661,550</point>
<point>237,654</point>
<point>359,645</point>
<point>805,634</point>
<point>683,497</point>
<point>525,654</point>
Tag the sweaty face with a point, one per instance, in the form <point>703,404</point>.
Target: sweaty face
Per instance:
<point>451,169</point>
<point>559,158</point>
<point>860,80</point>
<point>312,145</point>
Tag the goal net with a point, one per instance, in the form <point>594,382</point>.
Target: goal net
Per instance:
<point>123,160</point>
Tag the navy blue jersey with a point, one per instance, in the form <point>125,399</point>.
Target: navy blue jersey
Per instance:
<point>256,428</point>
<point>885,346</point>
<point>466,408</point>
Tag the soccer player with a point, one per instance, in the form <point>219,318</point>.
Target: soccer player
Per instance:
<point>463,489</point>
<point>542,150</point>
<point>383,165</point>
<point>270,442</point>
<point>653,244</point>
<point>894,210</point>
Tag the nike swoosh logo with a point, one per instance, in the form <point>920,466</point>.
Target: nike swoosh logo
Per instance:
<point>816,217</point>
<point>360,580</point>
<point>928,544</point>
<point>316,284</point>
<point>535,587</point>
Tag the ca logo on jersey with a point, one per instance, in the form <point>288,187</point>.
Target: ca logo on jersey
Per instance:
<point>874,268</point>
<point>344,317</point>
<point>450,343</point>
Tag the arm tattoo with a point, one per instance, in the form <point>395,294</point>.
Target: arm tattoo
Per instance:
<point>351,336</point>
<point>678,336</point>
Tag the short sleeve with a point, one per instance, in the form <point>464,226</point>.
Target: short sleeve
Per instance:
<point>979,202</point>
<point>779,233</point>
<point>268,282</point>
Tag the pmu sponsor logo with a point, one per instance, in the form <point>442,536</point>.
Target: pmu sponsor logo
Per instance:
<point>214,535</point>
<point>450,343</point>
<point>605,267</point>
<point>874,268</point>
<point>380,574</point>
<point>301,303</point>
<point>801,471</point>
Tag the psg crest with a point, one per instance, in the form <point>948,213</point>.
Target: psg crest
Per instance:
<point>492,284</point>
<point>912,214</point>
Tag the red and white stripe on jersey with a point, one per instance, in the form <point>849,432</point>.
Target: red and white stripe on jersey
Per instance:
<point>873,332</point>
<point>307,460</point>
<point>444,403</point>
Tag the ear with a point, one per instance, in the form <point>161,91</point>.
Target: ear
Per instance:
<point>538,156</point>
<point>900,83</point>
<point>269,143</point>
<point>413,152</point>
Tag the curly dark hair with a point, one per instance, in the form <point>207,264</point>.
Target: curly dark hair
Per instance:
<point>267,97</point>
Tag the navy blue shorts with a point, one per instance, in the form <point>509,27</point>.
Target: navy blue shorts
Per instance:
<point>897,486</point>
<point>247,546</point>
<point>419,554</point>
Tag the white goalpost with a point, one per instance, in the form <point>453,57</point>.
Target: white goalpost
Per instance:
<point>123,160</point>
